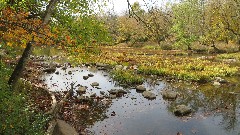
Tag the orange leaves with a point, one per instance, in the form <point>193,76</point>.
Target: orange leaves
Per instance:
<point>19,29</point>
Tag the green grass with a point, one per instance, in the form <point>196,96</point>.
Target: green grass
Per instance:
<point>127,77</point>
<point>229,56</point>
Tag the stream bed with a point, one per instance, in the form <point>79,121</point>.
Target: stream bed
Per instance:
<point>216,109</point>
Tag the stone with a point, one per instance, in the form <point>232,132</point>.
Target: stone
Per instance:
<point>93,95</point>
<point>113,91</point>
<point>148,95</point>
<point>117,91</point>
<point>63,128</point>
<point>216,83</point>
<point>69,72</point>
<point>122,91</point>
<point>64,68</point>
<point>220,80</point>
<point>49,70</point>
<point>118,67</point>
<point>135,67</point>
<point>102,92</point>
<point>95,84</point>
<point>182,110</point>
<point>57,73</point>
<point>140,88</point>
<point>112,96</point>
<point>90,75</point>
<point>125,68</point>
<point>167,94</point>
<point>82,89</point>
<point>85,77</point>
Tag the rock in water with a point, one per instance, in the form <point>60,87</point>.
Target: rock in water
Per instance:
<point>182,110</point>
<point>149,95</point>
<point>95,84</point>
<point>93,95</point>
<point>167,94</point>
<point>49,70</point>
<point>82,89</point>
<point>85,77</point>
<point>69,72</point>
<point>140,88</point>
<point>90,75</point>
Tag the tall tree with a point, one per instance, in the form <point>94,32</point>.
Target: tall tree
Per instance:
<point>22,61</point>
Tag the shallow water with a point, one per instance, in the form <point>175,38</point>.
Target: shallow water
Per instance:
<point>216,112</point>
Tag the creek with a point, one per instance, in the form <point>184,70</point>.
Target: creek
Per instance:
<point>216,109</point>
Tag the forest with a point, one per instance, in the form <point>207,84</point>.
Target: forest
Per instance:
<point>79,67</point>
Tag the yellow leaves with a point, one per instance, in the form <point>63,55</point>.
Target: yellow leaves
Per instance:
<point>9,44</point>
<point>19,29</point>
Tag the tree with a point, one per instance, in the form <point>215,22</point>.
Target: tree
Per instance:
<point>186,28</point>
<point>21,63</point>
<point>52,15</point>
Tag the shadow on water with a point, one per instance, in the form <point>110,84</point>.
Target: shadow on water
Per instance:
<point>215,109</point>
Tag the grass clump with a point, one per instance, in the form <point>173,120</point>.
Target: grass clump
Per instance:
<point>229,56</point>
<point>127,77</point>
<point>189,69</point>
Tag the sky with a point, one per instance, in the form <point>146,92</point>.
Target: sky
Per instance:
<point>119,6</point>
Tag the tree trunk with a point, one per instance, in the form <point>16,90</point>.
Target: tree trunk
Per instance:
<point>27,51</point>
<point>20,65</point>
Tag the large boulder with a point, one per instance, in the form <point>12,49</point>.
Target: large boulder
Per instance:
<point>168,94</point>
<point>148,95</point>
<point>63,128</point>
<point>140,88</point>
<point>182,110</point>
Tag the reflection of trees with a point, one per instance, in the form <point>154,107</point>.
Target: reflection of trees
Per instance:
<point>211,100</point>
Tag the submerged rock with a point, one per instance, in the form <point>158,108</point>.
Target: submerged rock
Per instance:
<point>182,110</point>
<point>148,95</point>
<point>140,88</point>
<point>167,94</point>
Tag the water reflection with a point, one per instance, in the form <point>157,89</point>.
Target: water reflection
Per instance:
<point>216,109</point>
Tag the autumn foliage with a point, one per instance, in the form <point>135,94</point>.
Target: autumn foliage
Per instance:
<point>17,29</point>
